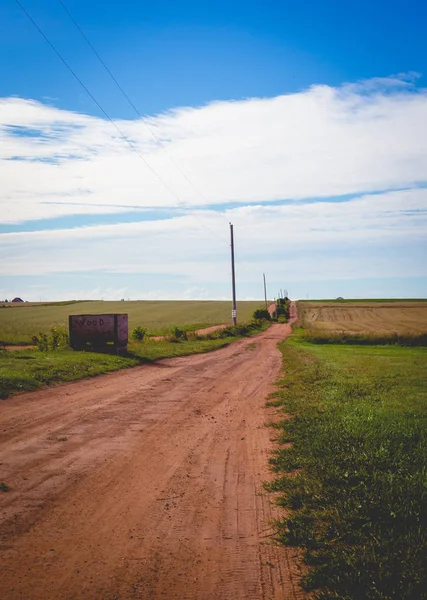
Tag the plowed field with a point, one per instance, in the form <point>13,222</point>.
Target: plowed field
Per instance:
<point>369,317</point>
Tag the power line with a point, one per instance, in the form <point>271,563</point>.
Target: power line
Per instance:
<point>126,96</point>
<point>132,146</point>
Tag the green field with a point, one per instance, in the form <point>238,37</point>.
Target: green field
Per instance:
<point>352,471</point>
<point>18,324</point>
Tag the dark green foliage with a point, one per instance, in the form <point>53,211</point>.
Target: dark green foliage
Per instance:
<point>358,495</point>
<point>138,333</point>
<point>283,308</point>
<point>243,330</point>
<point>41,341</point>
<point>4,487</point>
<point>262,313</point>
<point>179,334</point>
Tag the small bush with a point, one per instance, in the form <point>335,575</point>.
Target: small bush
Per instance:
<point>262,313</point>
<point>173,339</point>
<point>138,333</point>
<point>41,341</point>
<point>57,338</point>
<point>179,334</point>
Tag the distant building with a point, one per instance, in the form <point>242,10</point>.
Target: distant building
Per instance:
<point>17,300</point>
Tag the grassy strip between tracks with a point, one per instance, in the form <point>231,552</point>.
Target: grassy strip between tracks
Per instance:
<point>352,470</point>
<point>27,370</point>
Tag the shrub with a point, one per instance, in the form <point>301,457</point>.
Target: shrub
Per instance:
<point>262,313</point>
<point>179,334</point>
<point>57,338</point>
<point>138,333</point>
<point>41,341</point>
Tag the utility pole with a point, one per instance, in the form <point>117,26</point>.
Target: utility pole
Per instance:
<point>233,276</point>
<point>265,292</point>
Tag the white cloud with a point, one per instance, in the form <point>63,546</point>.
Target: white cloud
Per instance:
<point>303,240</point>
<point>360,139</point>
<point>321,142</point>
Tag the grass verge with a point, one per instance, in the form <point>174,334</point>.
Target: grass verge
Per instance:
<point>356,448</point>
<point>364,339</point>
<point>27,370</point>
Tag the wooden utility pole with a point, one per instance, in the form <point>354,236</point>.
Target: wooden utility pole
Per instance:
<point>233,276</point>
<point>265,292</point>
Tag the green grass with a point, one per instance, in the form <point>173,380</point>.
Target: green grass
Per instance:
<point>314,336</point>
<point>19,324</point>
<point>27,370</point>
<point>356,447</point>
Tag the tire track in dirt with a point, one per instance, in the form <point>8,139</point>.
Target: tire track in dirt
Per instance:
<point>145,483</point>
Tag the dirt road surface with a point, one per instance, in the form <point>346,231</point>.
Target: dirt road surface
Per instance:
<point>146,483</point>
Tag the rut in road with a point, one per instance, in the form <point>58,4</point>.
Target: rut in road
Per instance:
<point>146,483</point>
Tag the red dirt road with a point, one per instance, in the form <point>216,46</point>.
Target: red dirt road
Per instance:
<point>146,483</point>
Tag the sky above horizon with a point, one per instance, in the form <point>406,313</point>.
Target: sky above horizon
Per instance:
<point>304,124</point>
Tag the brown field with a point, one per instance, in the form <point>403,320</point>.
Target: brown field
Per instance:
<point>365,317</point>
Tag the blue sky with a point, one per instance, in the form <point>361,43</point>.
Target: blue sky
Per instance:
<point>170,54</point>
<point>303,123</point>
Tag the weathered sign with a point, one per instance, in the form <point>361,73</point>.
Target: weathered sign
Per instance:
<point>99,331</point>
